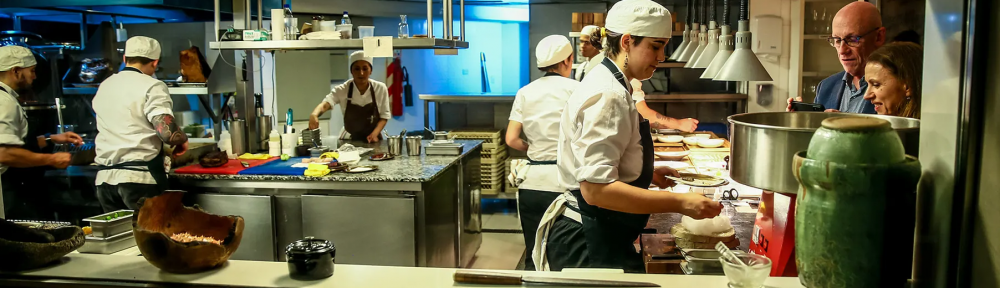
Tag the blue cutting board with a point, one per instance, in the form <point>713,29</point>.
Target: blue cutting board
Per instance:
<point>277,167</point>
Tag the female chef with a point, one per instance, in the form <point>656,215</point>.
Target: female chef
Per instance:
<point>606,155</point>
<point>536,112</point>
<point>364,102</point>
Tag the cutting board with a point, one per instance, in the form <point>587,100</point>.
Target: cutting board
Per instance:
<point>232,167</point>
<point>277,168</point>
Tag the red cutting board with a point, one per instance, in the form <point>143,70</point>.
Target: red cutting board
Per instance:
<point>230,168</point>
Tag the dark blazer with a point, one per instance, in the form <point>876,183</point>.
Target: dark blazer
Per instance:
<point>830,91</point>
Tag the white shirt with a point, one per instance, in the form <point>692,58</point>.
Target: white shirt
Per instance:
<point>586,67</point>
<point>599,138</point>
<point>637,94</point>
<point>338,96</point>
<point>538,107</point>
<point>125,105</point>
<point>13,121</point>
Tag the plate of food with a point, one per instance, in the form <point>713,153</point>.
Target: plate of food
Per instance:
<point>361,169</point>
<point>699,180</point>
<point>381,157</point>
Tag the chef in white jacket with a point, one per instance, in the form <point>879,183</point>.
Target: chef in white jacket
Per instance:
<point>590,48</point>
<point>657,120</point>
<point>606,155</point>
<point>536,112</point>
<point>364,102</point>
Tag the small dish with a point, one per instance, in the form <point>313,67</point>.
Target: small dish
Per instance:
<point>672,164</point>
<point>672,156</point>
<point>381,157</point>
<point>361,169</point>
<point>711,143</point>
<point>670,138</point>
<point>691,140</point>
<point>701,136</point>
<point>699,180</point>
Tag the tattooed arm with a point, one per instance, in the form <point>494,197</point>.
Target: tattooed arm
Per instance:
<point>168,131</point>
<point>659,121</point>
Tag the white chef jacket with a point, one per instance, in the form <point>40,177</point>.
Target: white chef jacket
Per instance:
<point>13,121</point>
<point>599,139</point>
<point>338,96</point>
<point>589,65</point>
<point>125,105</point>
<point>637,94</point>
<point>538,107</point>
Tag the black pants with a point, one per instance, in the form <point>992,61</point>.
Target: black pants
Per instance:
<point>531,204</point>
<point>26,195</point>
<point>570,243</point>
<point>124,196</point>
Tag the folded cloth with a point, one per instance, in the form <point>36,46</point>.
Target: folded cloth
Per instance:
<point>518,169</point>
<point>349,157</point>
<point>321,35</point>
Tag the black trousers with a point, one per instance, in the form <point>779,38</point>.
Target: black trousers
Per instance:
<point>531,204</point>
<point>576,245</point>
<point>124,196</point>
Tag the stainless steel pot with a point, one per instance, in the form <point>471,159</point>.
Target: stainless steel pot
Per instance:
<point>763,144</point>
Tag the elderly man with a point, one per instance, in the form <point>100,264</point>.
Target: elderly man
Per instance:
<point>857,31</point>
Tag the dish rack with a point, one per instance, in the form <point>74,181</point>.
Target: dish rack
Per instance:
<point>493,158</point>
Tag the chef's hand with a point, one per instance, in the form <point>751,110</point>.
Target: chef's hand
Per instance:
<point>313,121</point>
<point>180,149</point>
<point>697,206</point>
<point>659,177</point>
<point>831,110</point>
<point>60,160</point>
<point>372,138</point>
<point>687,124</point>
<point>789,108</point>
<point>67,138</point>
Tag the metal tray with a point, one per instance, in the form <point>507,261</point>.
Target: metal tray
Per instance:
<point>108,245</point>
<point>444,149</point>
<point>703,261</point>
<point>105,228</point>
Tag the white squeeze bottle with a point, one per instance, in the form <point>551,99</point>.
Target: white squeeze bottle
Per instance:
<point>226,143</point>
<point>274,144</point>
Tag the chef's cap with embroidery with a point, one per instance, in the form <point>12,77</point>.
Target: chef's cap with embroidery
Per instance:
<point>552,50</point>
<point>142,46</point>
<point>359,56</point>
<point>14,56</point>
<point>640,18</point>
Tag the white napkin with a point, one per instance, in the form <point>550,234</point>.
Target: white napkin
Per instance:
<point>349,157</point>
<point>518,169</point>
<point>321,35</point>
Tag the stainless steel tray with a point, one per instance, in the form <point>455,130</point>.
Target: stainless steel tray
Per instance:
<point>450,149</point>
<point>105,228</point>
<point>108,245</point>
<point>703,261</point>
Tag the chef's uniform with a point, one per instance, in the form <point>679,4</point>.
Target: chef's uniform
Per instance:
<point>538,107</point>
<point>603,139</point>
<point>362,111</point>
<point>129,150</point>
<point>21,202</point>
<point>588,66</point>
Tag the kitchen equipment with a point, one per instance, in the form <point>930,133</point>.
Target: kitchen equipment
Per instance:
<point>749,275</point>
<point>160,218</point>
<point>94,70</point>
<point>318,150</point>
<point>440,135</point>
<point>703,261</point>
<point>346,29</point>
<point>494,278</point>
<point>444,149</point>
<point>326,25</point>
<point>121,221</point>
<point>311,137</point>
<point>395,145</point>
<point>288,143</point>
<point>230,168</point>
<point>763,144</point>
<point>404,28</point>
<point>698,180</point>
<point>366,31</point>
<point>109,245</point>
<point>264,125</point>
<point>238,135</point>
<point>310,259</point>
<point>670,138</point>
<point>413,145</point>
<point>407,89</point>
<point>730,194</point>
<point>316,23</point>
<point>277,167</point>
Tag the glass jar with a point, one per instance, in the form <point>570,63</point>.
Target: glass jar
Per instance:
<point>404,28</point>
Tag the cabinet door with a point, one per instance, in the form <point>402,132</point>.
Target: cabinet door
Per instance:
<point>258,232</point>
<point>365,230</point>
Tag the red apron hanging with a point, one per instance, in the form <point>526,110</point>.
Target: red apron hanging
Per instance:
<point>394,80</point>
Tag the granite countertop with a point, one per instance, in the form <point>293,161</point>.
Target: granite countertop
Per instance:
<point>403,168</point>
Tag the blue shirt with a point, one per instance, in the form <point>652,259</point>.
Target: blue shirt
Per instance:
<point>853,99</point>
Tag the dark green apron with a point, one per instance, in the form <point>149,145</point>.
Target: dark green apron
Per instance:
<point>360,121</point>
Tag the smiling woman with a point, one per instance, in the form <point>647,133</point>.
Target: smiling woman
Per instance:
<point>894,74</point>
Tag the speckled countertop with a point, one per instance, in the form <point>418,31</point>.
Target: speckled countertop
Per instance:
<point>401,169</point>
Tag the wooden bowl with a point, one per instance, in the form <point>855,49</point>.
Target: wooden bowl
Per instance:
<point>162,216</point>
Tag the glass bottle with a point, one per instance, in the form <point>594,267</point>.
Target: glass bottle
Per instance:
<point>404,28</point>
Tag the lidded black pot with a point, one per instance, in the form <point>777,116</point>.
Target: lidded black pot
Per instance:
<point>310,259</point>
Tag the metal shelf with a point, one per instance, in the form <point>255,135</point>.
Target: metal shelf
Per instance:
<point>172,90</point>
<point>342,44</point>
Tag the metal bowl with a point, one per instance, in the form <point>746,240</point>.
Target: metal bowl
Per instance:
<point>763,144</point>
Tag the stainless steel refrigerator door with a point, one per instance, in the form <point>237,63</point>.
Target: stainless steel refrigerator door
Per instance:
<point>365,230</point>
<point>258,233</point>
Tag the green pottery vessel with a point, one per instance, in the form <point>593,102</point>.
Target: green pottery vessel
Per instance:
<point>855,206</point>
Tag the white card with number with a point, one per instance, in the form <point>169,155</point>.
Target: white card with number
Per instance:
<point>378,46</point>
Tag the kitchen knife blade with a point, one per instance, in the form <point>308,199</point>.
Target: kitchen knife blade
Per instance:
<point>493,278</point>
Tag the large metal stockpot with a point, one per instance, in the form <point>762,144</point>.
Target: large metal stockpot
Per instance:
<point>763,144</point>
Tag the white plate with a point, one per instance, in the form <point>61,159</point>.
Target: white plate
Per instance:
<point>691,140</point>
<point>711,143</point>
<point>672,164</point>
<point>670,138</point>
<point>672,156</point>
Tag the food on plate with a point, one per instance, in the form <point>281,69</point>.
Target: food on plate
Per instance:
<point>187,237</point>
<point>194,68</point>
<point>213,159</point>
<point>698,180</point>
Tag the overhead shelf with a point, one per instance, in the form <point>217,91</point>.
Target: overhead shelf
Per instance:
<point>172,90</point>
<point>341,44</point>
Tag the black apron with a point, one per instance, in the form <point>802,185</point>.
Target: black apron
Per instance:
<point>360,121</point>
<point>610,234</point>
<point>25,192</point>
<point>155,166</point>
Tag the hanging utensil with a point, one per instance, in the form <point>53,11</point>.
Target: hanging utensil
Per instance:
<point>492,278</point>
<point>407,89</point>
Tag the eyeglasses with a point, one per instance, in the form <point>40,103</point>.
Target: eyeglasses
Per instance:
<point>853,41</point>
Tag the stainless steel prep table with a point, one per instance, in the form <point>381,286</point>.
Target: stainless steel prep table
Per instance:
<point>413,211</point>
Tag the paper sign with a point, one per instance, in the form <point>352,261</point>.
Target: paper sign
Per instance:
<point>378,46</point>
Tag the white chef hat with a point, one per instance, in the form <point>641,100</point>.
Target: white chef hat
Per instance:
<point>358,56</point>
<point>589,30</point>
<point>14,56</point>
<point>142,46</point>
<point>551,50</point>
<point>640,18</point>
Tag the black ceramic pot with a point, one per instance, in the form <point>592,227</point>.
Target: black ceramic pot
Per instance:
<point>310,259</point>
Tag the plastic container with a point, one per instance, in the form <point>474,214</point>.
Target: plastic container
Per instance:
<point>96,245</point>
<point>404,28</point>
<point>290,31</point>
<point>346,30</point>
<point>750,276</point>
<point>226,143</point>
<point>366,31</point>
<point>274,143</point>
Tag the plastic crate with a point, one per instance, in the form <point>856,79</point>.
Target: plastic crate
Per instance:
<point>491,188</point>
<point>494,149</point>
<point>488,136</point>
<point>499,158</point>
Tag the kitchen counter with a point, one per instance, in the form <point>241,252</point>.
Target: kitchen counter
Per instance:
<point>122,271</point>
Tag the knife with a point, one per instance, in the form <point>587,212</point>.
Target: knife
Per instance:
<point>493,278</point>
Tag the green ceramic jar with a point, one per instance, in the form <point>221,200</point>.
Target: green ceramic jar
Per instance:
<point>855,206</point>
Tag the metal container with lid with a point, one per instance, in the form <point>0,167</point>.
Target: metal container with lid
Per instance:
<point>763,144</point>
<point>310,259</point>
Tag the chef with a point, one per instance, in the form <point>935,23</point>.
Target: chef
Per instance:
<point>606,155</point>
<point>657,120</point>
<point>536,112</point>
<point>590,47</point>
<point>17,72</point>
<point>135,119</point>
<point>364,102</point>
